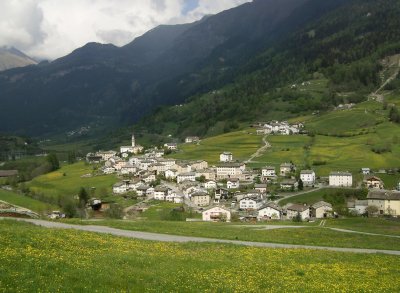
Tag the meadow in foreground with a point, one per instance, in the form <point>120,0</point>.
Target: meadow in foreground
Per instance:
<point>34,259</point>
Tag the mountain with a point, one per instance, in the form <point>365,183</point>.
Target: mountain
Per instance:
<point>13,58</point>
<point>233,58</point>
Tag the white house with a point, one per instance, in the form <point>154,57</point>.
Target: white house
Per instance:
<point>286,168</point>
<point>161,192</point>
<point>106,155</point>
<point>250,203</point>
<point>171,174</point>
<point>296,209</point>
<point>171,146</point>
<point>268,172</point>
<point>120,188</point>
<point>374,182</point>
<point>226,157</point>
<point>233,183</point>
<point>270,212</point>
<point>308,177</point>
<point>226,170</point>
<point>366,171</point>
<point>190,176</point>
<point>192,139</point>
<point>340,179</point>
<point>358,206</point>
<point>321,210</point>
<point>216,214</point>
<point>210,185</point>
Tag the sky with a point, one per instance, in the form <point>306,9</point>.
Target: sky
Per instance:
<point>48,29</point>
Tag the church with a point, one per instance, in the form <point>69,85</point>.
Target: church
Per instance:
<point>133,149</point>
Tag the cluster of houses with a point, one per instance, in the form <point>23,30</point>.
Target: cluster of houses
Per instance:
<point>277,127</point>
<point>229,186</point>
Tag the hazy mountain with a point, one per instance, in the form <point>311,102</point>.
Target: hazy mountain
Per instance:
<point>105,86</point>
<point>12,58</point>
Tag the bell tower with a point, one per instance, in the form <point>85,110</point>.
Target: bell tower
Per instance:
<point>133,140</point>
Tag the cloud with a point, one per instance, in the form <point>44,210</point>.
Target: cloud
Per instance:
<point>50,29</point>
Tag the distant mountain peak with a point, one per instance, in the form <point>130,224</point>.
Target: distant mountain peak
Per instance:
<point>10,57</point>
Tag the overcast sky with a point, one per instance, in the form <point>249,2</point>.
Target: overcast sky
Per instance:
<point>49,29</point>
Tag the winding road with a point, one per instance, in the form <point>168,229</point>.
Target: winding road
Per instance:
<point>260,150</point>
<point>185,239</point>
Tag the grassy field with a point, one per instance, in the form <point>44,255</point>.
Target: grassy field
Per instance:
<point>241,143</point>
<point>309,198</point>
<point>311,234</point>
<point>68,180</point>
<point>369,225</point>
<point>34,259</point>
<point>25,202</point>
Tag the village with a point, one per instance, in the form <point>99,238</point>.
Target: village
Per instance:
<point>230,189</point>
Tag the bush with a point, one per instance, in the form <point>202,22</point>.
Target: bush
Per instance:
<point>114,212</point>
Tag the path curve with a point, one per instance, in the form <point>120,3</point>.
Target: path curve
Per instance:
<point>260,150</point>
<point>185,239</point>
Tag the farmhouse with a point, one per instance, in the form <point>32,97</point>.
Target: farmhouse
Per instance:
<point>270,212</point>
<point>105,156</point>
<point>226,157</point>
<point>192,139</point>
<point>366,171</point>
<point>171,146</point>
<point>358,206</point>
<point>289,184</point>
<point>216,214</point>
<point>128,169</point>
<point>387,202</point>
<point>321,210</point>
<point>210,185</point>
<point>268,173</point>
<point>171,174</point>
<point>250,203</point>
<point>373,182</point>
<point>190,176</point>
<point>233,183</point>
<point>200,198</point>
<point>226,170</point>
<point>308,177</point>
<point>262,188</point>
<point>8,173</point>
<point>286,168</point>
<point>340,179</point>
<point>161,192</point>
<point>219,194</point>
<point>296,209</point>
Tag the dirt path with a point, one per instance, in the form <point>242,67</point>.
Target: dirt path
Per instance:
<point>260,151</point>
<point>299,193</point>
<point>185,239</point>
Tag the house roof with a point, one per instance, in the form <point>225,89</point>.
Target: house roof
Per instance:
<point>230,165</point>
<point>260,186</point>
<point>187,174</point>
<point>288,182</point>
<point>8,173</point>
<point>321,204</point>
<point>199,193</point>
<point>272,205</point>
<point>269,168</point>
<point>286,165</point>
<point>373,178</point>
<point>307,172</point>
<point>233,180</point>
<point>384,194</point>
<point>298,207</point>
<point>340,174</point>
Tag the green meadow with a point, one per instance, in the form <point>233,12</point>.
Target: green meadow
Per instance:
<point>308,234</point>
<point>25,202</point>
<point>35,259</point>
<point>241,143</point>
<point>69,178</point>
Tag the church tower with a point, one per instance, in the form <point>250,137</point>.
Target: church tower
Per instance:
<point>133,141</point>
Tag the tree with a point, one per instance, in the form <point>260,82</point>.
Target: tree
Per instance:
<point>53,161</point>
<point>371,210</point>
<point>83,196</point>
<point>71,157</point>
<point>297,218</point>
<point>114,212</point>
<point>301,184</point>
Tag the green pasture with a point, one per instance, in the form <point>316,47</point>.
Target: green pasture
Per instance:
<point>241,143</point>
<point>25,202</point>
<point>68,180</point>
